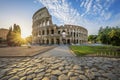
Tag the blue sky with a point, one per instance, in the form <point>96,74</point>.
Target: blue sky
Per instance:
<point>90,14</point>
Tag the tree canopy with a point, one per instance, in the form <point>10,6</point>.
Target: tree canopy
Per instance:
<point>14,36</point>
<point>109,35</point>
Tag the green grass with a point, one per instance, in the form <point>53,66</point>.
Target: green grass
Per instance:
<point>85,50</point>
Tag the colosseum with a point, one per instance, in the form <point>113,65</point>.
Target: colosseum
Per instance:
<point>45,32</point>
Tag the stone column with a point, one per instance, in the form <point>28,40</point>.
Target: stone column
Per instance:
<point>49,41</point>
<point>60,40</point>
<point>50,31</point>
<point>54,40</point>
<point>45,41</point>
<point>45,31</point>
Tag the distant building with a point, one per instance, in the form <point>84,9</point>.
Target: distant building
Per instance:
<point>3,33</point>
<point>45,32</point>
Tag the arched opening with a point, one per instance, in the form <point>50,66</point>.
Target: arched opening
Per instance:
<point>68,41</point>
<point>39,32</point>
<point>39,41</point>
<point>74,34</point>
<point>43,41</point>
<point>77,41</point>
<point>52,41</point>
<point>64,41</point>
<point>74,41</point>
<point>58,32</point>
<point>47,31</point>
<point>43,32</point>
<point>58,41</point>
<point>47,41</point>
<point>52,31</point>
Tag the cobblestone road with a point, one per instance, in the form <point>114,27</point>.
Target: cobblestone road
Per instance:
<point>59,64</point>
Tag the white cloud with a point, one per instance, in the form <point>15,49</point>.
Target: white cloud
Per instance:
<point>66,14</point>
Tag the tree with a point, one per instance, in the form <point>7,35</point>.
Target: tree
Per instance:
<point>103,35</point>
<point>14,36</point>
<point>109,35</point>
<point>10,37</point>
<point>115,37</point>
<point>17,35</point>
<point>92,38</point>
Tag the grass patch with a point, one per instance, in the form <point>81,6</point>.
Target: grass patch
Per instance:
<point>85,50</point>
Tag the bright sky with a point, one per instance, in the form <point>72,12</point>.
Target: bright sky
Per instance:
<point>90,14</point>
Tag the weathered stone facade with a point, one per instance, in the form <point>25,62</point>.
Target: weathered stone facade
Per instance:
<point>3,33</point>
<point>45,32</point>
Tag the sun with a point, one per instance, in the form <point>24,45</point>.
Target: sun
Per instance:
<point>24,36</point>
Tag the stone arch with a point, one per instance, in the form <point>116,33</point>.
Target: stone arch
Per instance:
<point>48,23</point>
<point>52,31</point>
<point>47,41</point>
<point>58,32</point>
<point>68,41</point>
<point>47,31</point>
<point>43,41</point>
<point>43,32</point>
<point>52,41</point>
<point>58,41</point>
<point>39,32</point>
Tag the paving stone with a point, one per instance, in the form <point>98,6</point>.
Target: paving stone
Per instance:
<point>77,67</point>
<point>94,70</point>
<point>6,77</point>
<point>29,72</point>
<point>29,77</point>
<point>23,78</point>
<point>65,71</point>
<point>102,78</point>
<point>110,76</point>
<point>37,78</point>
<point>89,64</point>
<point>45,78</point>
<point>49,70</point>
<point>74,78</point>
<point>47,74</point>
<point>70,74</point>
<point>83,77</point>
<point>63,77</point>
<point>61,68</point>
<point>14,78</point>
<point>41,66</point>
<point>89,74</point>
<point>96,74</point>
<point>56,72</point>
<point>40,74</point>
<point>53,78</point>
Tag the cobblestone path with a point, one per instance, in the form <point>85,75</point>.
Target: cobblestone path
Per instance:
<point>59,64</point>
